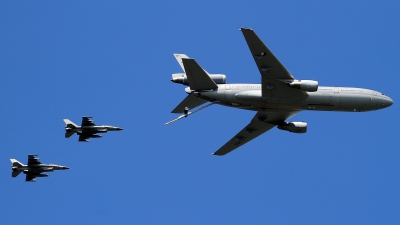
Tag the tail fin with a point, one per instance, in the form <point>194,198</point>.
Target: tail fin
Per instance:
<point>16,163</point>
<point>197,77</point>
<point>179,58</point>
<point>189,102</point>
<point>69,124</point>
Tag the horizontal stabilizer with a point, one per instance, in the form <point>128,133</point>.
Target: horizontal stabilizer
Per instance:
<point>197,77</point>
<point>68,134</point>
<point>15,173</point>
<point>186,113</point>
<point>190,102</point>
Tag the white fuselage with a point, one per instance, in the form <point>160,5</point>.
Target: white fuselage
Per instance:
<point>248,96</point>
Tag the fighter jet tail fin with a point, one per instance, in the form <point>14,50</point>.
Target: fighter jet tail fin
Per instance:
<point>69,124</point>
<point>198,78</point>
<point>16,163</point>
<point>15,173</point>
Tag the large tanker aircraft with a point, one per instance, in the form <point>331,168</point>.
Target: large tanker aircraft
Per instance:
<point>279,96</point>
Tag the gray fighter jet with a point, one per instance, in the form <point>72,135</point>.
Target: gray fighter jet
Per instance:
<point>87,129</point>
<point>34,168</point>
<point>278,97</point>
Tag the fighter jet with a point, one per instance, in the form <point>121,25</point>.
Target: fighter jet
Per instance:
<point>87,129</point>
<point>278,97</point>
<point>34,168</point>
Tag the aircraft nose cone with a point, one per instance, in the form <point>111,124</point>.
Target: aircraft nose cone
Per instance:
<point>390,102</point>
<point>119,128</point>
<point>66,168</point>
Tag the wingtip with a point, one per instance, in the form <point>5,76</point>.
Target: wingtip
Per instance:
<point>245,28</point>
<point>215,154</point>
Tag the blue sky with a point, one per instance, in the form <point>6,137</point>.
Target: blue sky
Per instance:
<point>113,60</point>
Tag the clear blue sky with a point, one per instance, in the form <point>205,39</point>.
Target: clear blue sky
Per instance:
<point>113,60</point>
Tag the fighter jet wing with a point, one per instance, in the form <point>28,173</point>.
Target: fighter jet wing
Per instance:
<point>270,68</point>
<point>83,138</point>
<point>31,176</point>
<point>33,160</point>
<point>261,122</point>
<point>86,121</point>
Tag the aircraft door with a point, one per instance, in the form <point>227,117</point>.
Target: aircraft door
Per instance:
<point>227,87</point>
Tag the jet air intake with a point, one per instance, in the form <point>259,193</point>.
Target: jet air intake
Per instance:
<point>305,85</point>
<point>181,78</point>
<point>294,127</point>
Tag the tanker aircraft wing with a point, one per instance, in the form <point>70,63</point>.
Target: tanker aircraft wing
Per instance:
<point>273,73</point>
<point>261,123</point>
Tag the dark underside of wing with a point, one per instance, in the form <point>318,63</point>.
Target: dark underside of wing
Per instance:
<point>87,121</point>
<point>261,123</point>
<point>30,176</point>
<point>84,137</point>
<point>33,160</point>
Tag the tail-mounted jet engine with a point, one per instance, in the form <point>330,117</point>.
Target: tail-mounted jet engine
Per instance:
<point>304,85</point>
<point>181,78</point>
<point>294,127</point>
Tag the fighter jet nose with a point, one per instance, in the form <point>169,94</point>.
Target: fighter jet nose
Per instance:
<point>66,168</point>
<point>119,128</point>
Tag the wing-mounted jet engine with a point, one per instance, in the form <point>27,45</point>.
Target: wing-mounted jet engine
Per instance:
<point>294,127</point>
<point>304,85</point>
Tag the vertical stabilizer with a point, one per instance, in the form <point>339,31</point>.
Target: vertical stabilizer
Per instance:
<point>179,58</point>
<point>69,124</point>
<point>197,77</point>
<point>16,163</point>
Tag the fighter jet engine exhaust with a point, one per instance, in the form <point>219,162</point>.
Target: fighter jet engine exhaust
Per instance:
<point>305,85</point>
<point>294,127</point>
